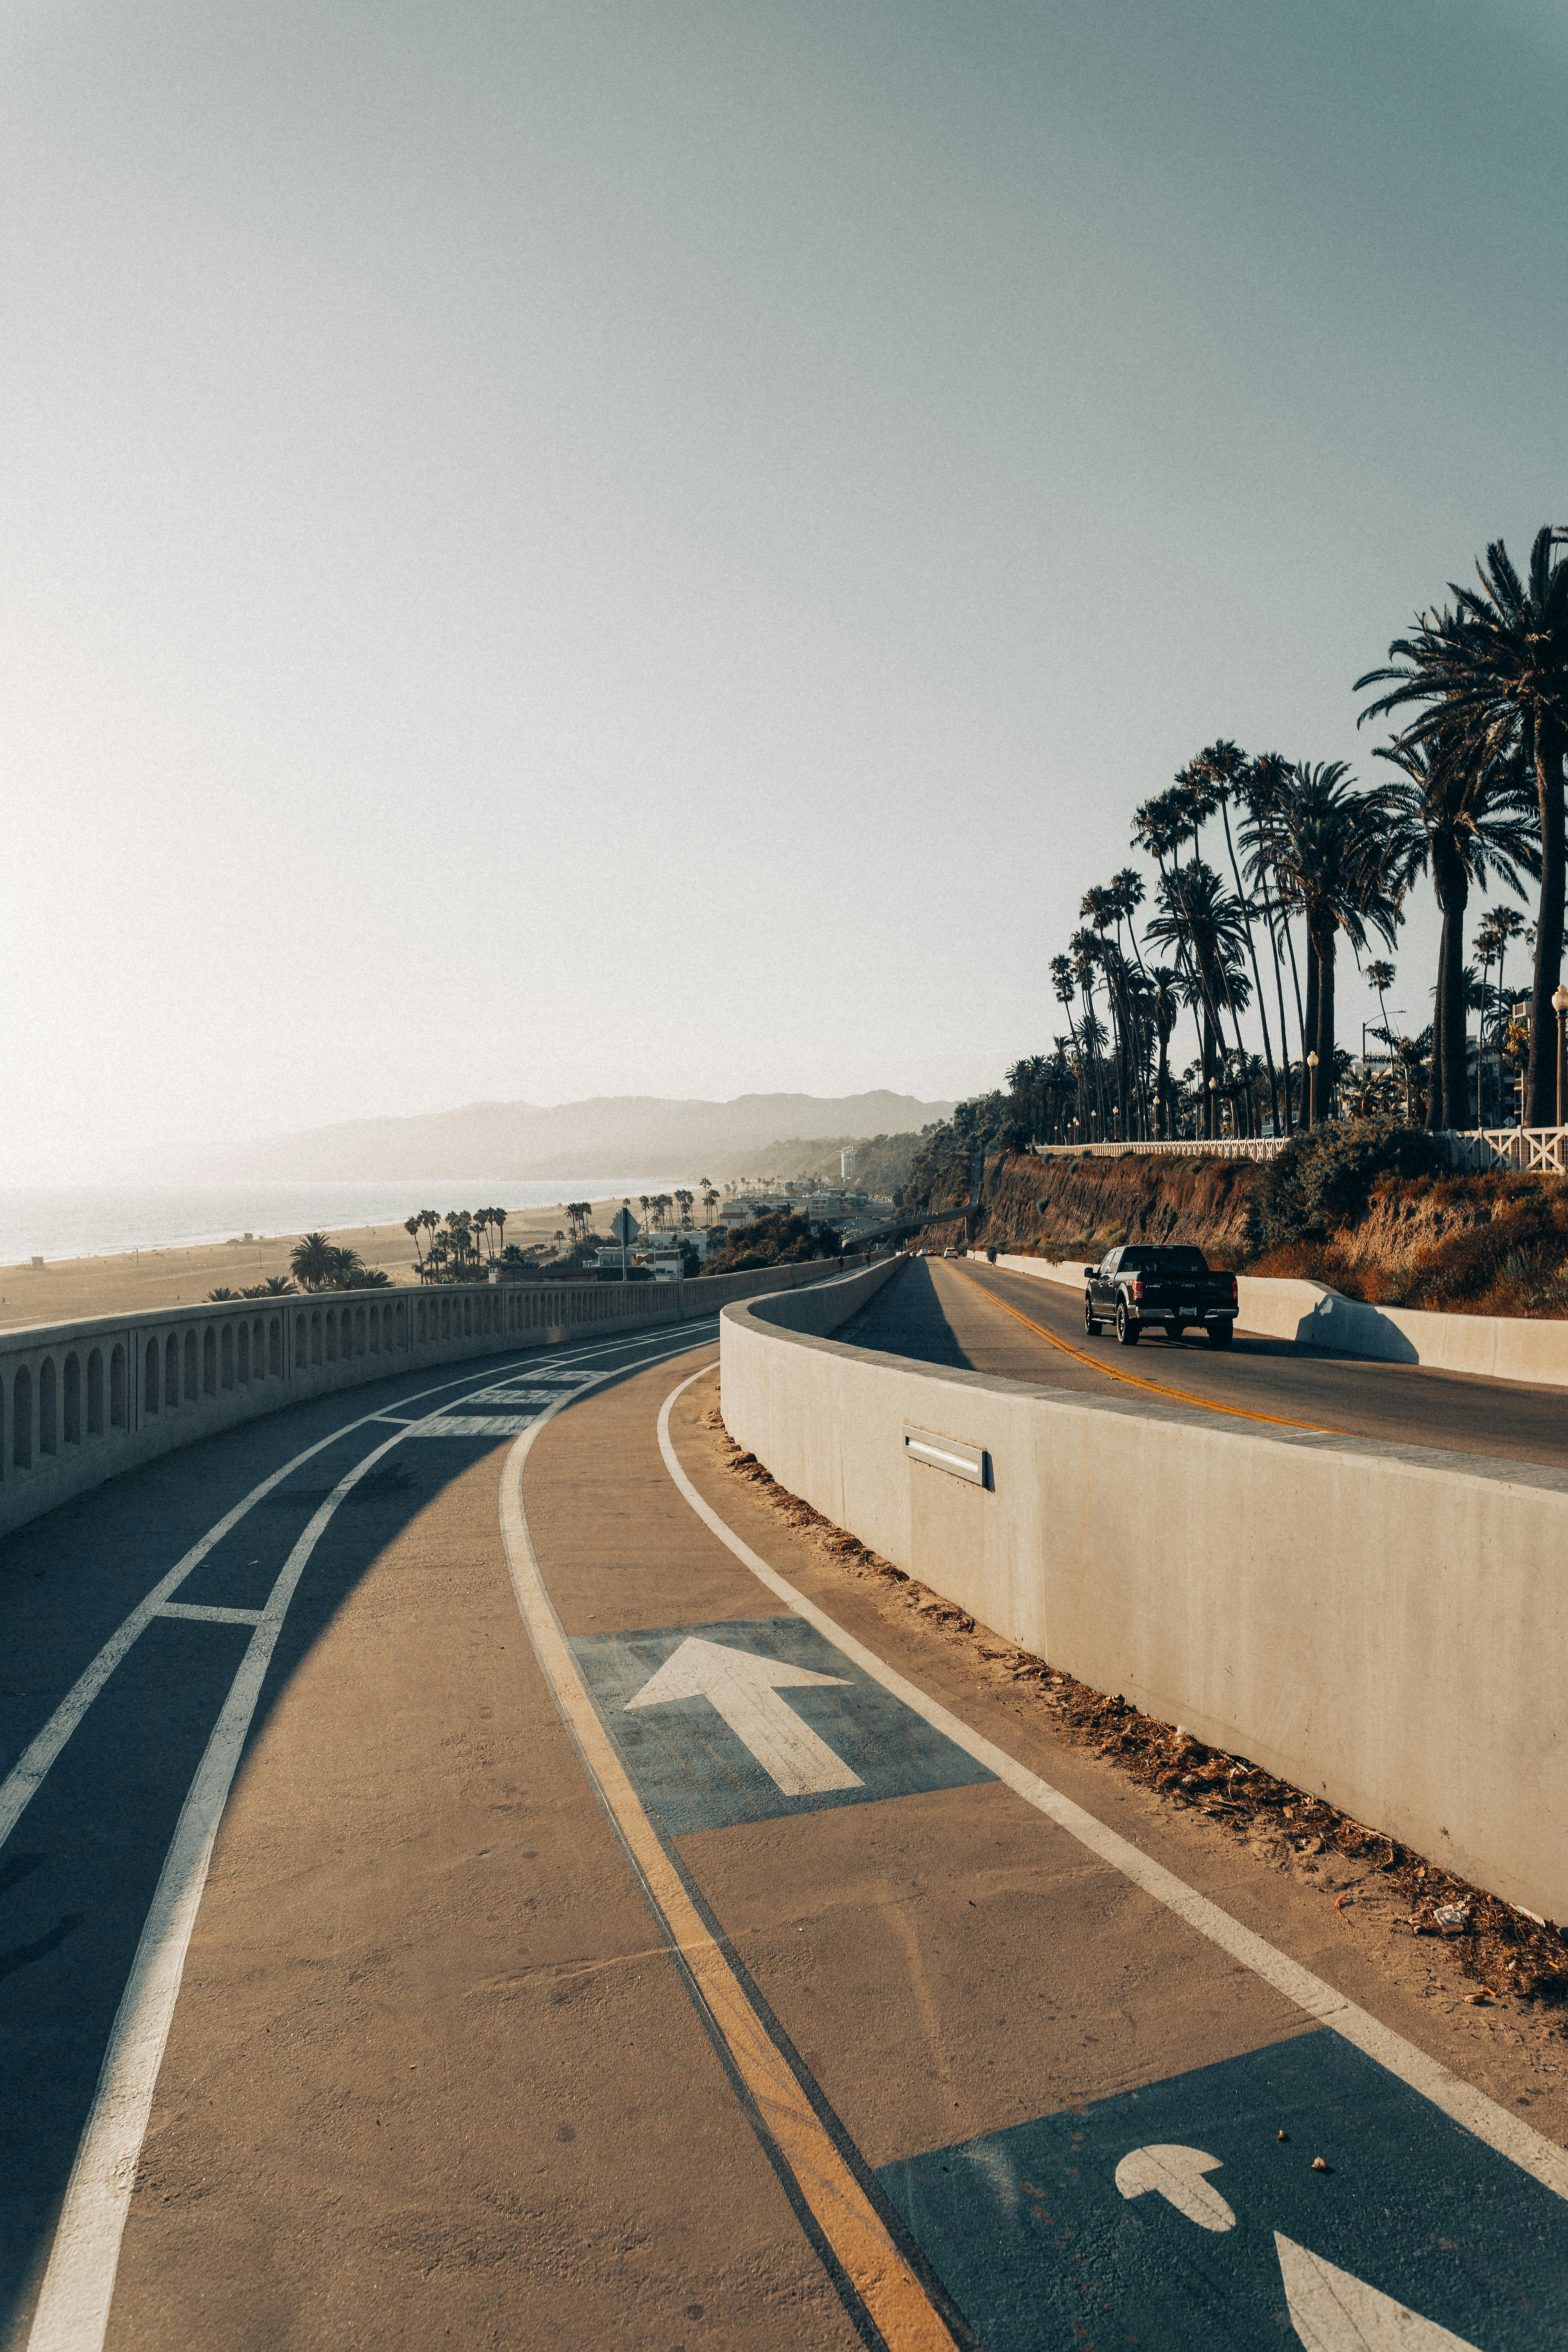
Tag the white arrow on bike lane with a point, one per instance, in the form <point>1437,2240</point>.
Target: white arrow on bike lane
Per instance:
<point>744,1688</point>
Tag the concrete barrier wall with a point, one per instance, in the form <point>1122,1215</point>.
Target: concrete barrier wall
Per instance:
<point>1386,1626</point>
<point>1500,1347</point>
<point>81,1401</point>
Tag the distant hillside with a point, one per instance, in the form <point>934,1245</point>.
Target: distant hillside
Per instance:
<point>882,1163</point>
<point>611,1135</point>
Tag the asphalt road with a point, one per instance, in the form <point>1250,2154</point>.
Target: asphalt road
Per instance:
<point>529,1896</point>
<point>987,1320</point>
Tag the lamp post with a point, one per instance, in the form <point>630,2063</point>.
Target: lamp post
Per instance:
<point>1560,1006</point>
<point>1313,1089</point>
<point>1213,1109</point>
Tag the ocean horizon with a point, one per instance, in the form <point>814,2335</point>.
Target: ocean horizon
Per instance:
<point>72,1221</point>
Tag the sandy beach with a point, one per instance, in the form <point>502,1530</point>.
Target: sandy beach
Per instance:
<point>65,1290</point>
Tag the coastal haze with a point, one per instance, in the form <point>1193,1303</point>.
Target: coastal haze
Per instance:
<point>585,1139</point>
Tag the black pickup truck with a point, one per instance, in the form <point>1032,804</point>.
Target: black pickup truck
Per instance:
<point>1143,1283</point>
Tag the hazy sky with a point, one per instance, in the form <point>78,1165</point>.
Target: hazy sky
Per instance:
<point>553,549</point>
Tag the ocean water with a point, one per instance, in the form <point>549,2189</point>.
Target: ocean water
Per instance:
<point>100,1221</point>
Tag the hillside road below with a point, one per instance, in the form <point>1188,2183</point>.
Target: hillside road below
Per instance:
<point>982,1319</point>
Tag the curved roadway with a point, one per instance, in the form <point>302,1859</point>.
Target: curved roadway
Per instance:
<point>989,1321</point>
<point>475,1873</point>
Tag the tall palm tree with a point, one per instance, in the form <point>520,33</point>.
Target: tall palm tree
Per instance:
<point>1495,666</point>
<point>1197,913</point>
<point>498,1221</point>
<point>1163,1000</point>
<point>1325,843</point>
<point>1470,820</point>
<point>1229,772</point>
<point>412,1227</point>
<point>1064,984</point>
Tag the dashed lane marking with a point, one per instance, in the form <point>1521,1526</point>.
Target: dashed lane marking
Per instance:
<point>72,2311</point>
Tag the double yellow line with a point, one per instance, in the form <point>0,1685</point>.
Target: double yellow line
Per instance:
<point>1130,1379</point>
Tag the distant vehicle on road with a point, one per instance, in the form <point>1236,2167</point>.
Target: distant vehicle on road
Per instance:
<point>1170,1287</point>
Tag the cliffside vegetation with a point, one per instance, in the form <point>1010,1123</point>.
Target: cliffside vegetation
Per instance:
<point>1367,1206</point>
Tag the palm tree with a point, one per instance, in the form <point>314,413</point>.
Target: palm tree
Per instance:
<point>313,1261</point>
<point>1325,843</point>
<point>1269,774</point>
<point>1197,916</point>
<point>1495,668</point>
<point>411,1226</point>
<point>1469,819</point>
<point>431,1222</point>
<point>1229,772</point>
<point>498,1223</point>
<point>1494,934</point>
<point>1163,1000</point>
<point>276,1286</point>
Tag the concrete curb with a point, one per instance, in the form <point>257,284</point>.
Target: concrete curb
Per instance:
<point>1384,1625</point>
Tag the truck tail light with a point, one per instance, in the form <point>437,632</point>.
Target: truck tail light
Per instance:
<point>1138,1288</point>
<point>1233,1290</point>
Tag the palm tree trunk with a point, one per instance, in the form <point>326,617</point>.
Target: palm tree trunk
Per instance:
<point>1257,974</point>
<point>1309,1029</point>
<point>1325,1022</point>
<point>1540,1089</point>
<point>1455,1077</point>
<point>1436,1105</point>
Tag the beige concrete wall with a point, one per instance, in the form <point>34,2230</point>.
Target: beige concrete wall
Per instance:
<point>80,1403</point>
<point>1384,1625</point>
<point>1500,1347</point>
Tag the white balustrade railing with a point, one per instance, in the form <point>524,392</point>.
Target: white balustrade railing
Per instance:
<point>1224,1147</point>
<point>81,1401</point>
<point>1524,1148</point>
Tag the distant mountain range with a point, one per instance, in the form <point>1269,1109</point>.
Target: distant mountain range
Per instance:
<point>610,1135</point>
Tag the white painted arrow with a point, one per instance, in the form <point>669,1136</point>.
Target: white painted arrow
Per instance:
<point>744,1688</point>
<point>1332,2312</point>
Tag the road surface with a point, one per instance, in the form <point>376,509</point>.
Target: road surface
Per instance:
<point>477,1876</point>
<point>985,1320</point>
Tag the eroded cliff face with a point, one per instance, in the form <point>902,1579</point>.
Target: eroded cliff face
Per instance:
<point>1493,1243</point>
<point>1080,1208</point>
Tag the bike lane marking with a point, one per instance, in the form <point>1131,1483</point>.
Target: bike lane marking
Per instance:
<point>1508,2134</point>
<point>72,2311</point>
<point>1452,2205</point>
<point>26,1776</point>
<point>881,2284</point>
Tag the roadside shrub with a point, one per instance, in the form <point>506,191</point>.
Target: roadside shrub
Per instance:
<point>1324,1177</point>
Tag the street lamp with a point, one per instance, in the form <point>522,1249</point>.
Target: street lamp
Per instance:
<point>1560,1006</point>
<point>1213,1110</point>
<point>1312,1090</point>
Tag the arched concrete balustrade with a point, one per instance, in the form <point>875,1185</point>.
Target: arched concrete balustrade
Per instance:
<point>162,1380</point>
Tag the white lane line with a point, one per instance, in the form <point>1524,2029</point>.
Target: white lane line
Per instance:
<point>210,1616</point>
<point>1512,2138</point>
<point>72,2312</point>
<point>25,1777</point>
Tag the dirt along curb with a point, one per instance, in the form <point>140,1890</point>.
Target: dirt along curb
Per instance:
<point>1502,1955</point>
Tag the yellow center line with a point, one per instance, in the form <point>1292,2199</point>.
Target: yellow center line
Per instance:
<point>1155,1387</point>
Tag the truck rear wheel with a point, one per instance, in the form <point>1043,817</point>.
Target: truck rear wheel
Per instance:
<point>1221,1334</point>
<point>1126,1329</point>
